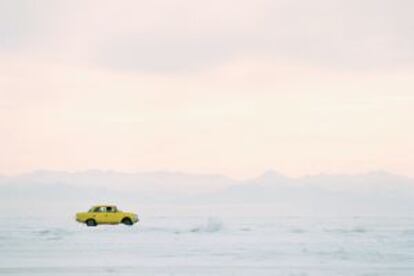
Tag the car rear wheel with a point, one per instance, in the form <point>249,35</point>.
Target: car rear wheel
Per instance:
<point>127,221</point>
<point>91,222</point>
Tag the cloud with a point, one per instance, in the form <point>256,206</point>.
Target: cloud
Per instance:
<point>183,35</point>
<point>15,21</point>
<point>26,23</point>
<point>339,34</point>
<point>224,86</point>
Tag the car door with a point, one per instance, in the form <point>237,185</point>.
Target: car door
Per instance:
<point>100,215</point>
<point>117,215</point>
<point>110,215</point>
<point>95,214</point>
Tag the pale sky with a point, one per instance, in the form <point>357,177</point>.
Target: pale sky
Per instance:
<point>229,87</point>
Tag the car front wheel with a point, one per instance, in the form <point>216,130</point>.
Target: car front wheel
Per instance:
<point>127,221</point>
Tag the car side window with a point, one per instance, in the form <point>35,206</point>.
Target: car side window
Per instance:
<point>96,210</point>
<point>102,209</point>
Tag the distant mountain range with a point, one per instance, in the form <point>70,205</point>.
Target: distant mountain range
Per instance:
<point>373,193</point>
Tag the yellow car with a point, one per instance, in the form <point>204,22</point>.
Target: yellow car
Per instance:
<point>106,214</point>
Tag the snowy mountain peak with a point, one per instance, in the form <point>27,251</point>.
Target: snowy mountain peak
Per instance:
<point>271,177</point>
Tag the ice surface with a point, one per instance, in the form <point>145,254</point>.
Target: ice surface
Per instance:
<point>200,245</point>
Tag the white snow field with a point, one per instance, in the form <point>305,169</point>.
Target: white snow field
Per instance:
<point>200,245</point>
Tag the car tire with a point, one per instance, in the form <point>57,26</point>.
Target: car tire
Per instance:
<point>90,222</point>
<point>127,221</point>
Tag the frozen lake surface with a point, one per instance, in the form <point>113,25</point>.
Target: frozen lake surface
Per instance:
<point>209,246</point>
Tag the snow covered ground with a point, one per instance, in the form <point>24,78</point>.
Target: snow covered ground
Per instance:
<point>200,245</point>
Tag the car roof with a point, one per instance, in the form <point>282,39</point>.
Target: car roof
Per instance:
<point>103,205</point>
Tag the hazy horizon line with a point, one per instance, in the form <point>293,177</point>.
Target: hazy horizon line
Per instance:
<point>171,171</point>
